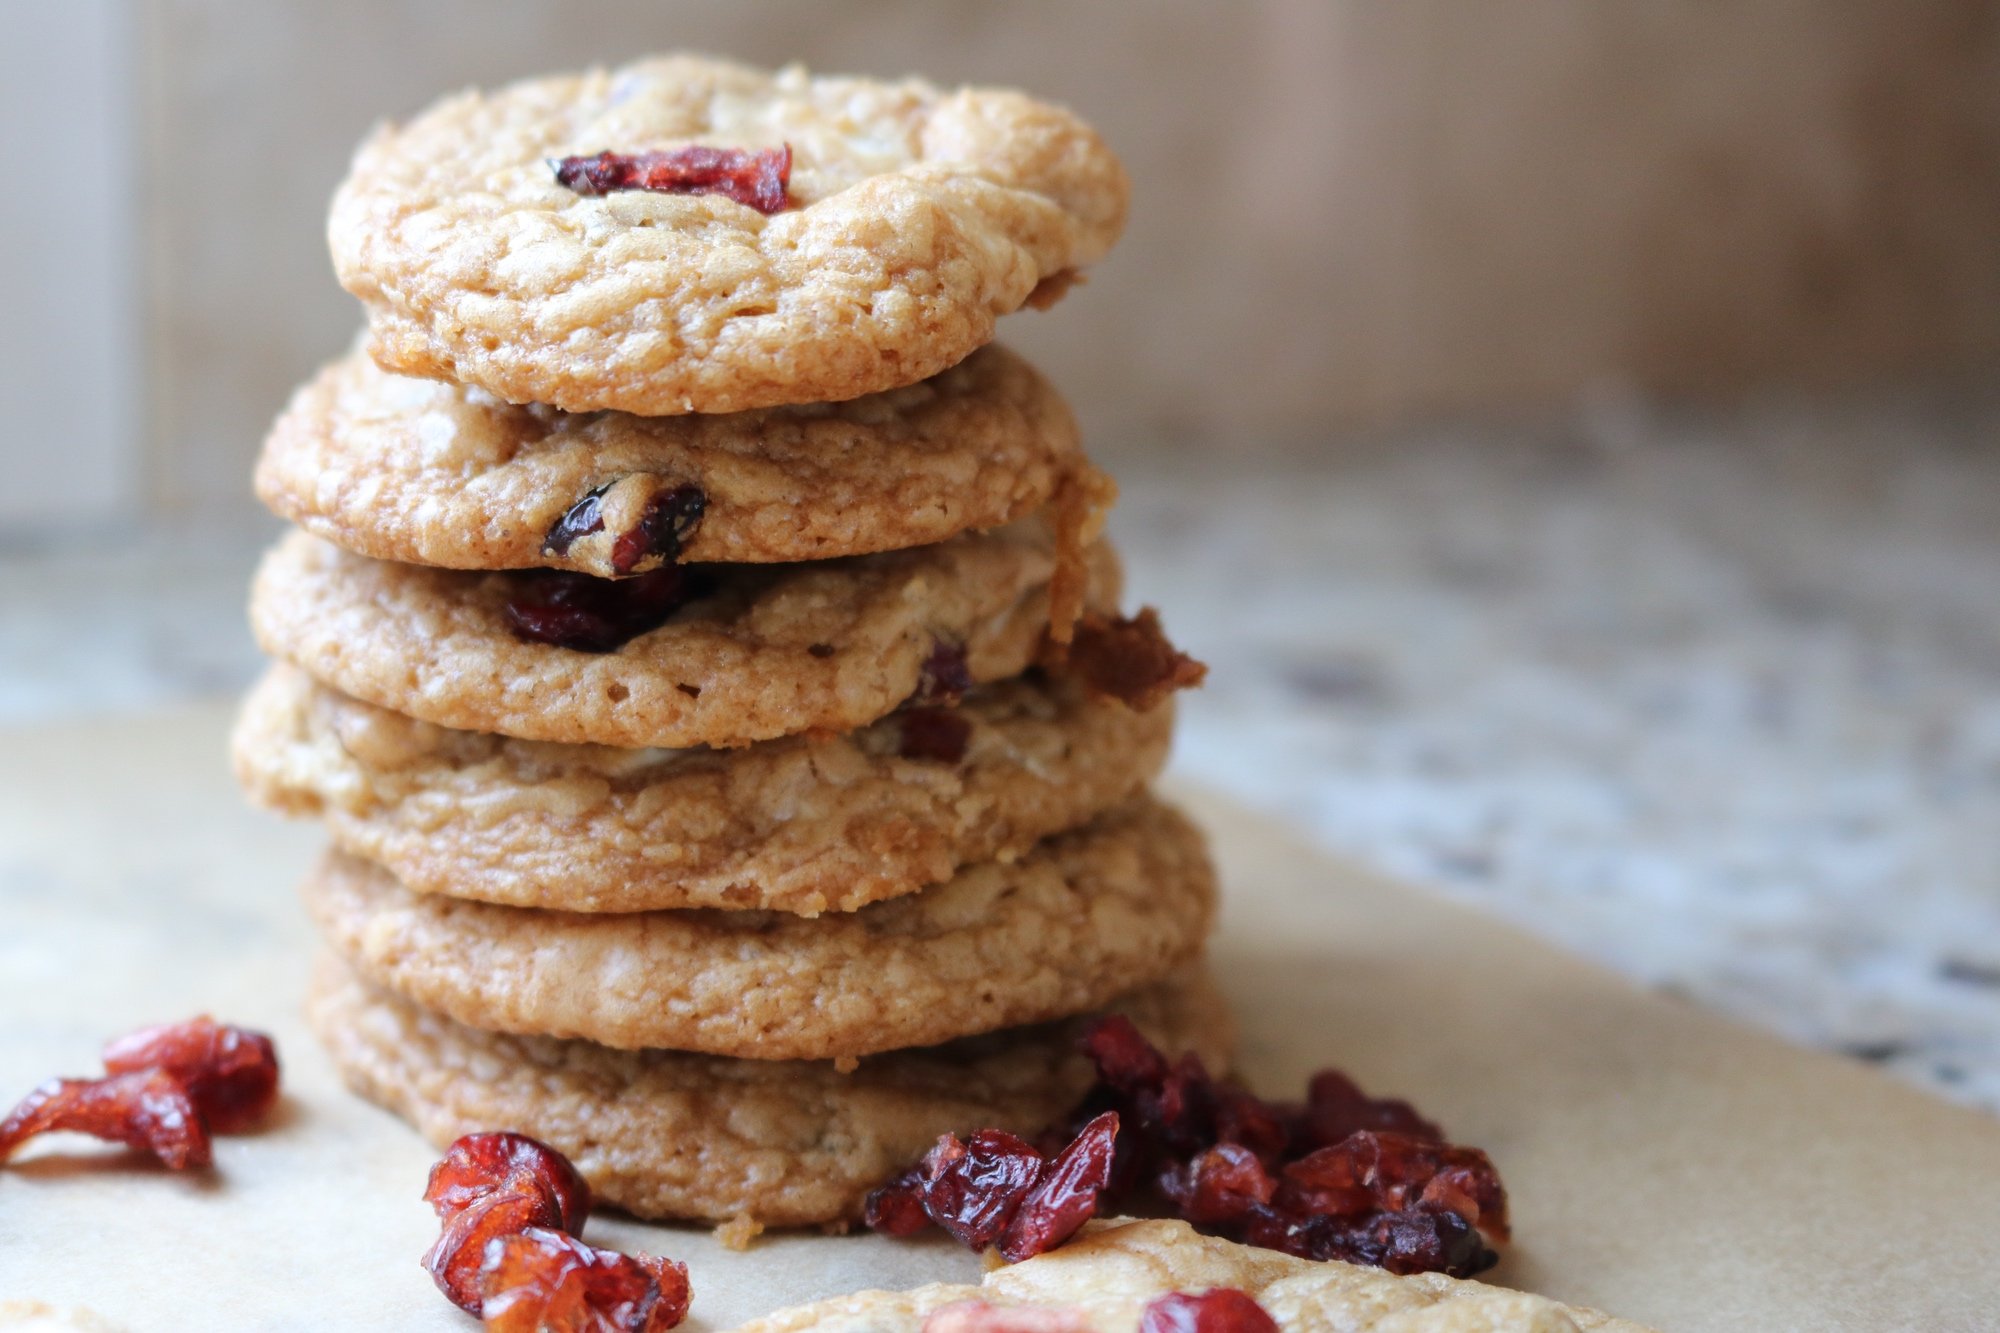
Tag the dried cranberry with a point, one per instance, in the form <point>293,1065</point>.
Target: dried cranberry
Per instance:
<point>1124,1058</point>
<point>897,1208</point>
<point>1217,1310</point>
<point>1129,658</point>
<point>479,1165</point>
<point>580,520</point>
<point>148,1109</point>
<point>594,615</point>
<point>945,675</point>
<point>664,526</point>
<point>935,735</point>
<point>981,1317</point>
<point>1220,1184</point>
<point>759,180</point>
<point>1394,1172</point>
<point>492,1185</point>
<point>230,1072</point>
<point>542,1281</point>
<point>455,1257</point>
<point>973,1187</point>
<point>1336,1107</point>
<point>1414,1241</point>
<point>1066,1195</point>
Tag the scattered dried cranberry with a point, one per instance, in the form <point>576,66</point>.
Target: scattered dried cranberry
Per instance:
<point>148,1109</point>
<point>973,1188</point>
<point>945,675</point>
<point>936,735</point>
<point>230,1072</point>
<point>996,1188</point>
<point>1130,659</point>
<point>594,615</point>
<point>1217,1310</point>
<point>166,1090</point>
<point>542,1281</point>
<point>492,1185</point>
<point>757,179</point>
<point>1341,1176</point>
<point>1066,1196</point>
<point>480,1165</point>
<point>981,1317</point>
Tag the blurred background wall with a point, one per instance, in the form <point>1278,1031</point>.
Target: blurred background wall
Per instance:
<point>1347,211</point>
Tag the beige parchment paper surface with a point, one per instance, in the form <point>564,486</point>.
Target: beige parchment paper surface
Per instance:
<point>1664,1165</point>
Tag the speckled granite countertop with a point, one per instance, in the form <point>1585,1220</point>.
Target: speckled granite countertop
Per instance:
<point>1715,701</point>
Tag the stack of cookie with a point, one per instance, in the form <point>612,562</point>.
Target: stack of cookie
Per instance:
<point>697,641</point>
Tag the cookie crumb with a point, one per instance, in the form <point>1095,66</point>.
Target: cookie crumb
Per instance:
<point>739,1231</point>
<point>846,1064</point>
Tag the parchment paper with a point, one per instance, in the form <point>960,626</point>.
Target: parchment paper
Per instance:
<point>1663,1164</point>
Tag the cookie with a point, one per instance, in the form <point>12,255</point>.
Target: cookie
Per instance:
<point>914,217</point>
<point>763,651</point>
<point>440,474</point>
<point>1078,921</point>
<point>798,824</point>
<point>669,1135</point>
<point>1105,1277</point>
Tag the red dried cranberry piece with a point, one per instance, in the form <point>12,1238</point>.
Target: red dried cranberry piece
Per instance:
<point>1244,1119</point>
<point>934,735</point>
<point>1066,1195</point>
<point>664,526</point>
<point>1394,1172</point>
<point>1220,1184</point>
<point>1123,1056</point>
<point>980,1317</point>
<point>897,1208</point>
<point>542,1281</point>
<point>455,1258</point>
<point>759,180</point>
<point>1336,1107</point>
<point>1130,659</point>
<point>945,675</point>
<point>148,1109</point>
<point>479,1165</point>
<point>592,615</point>
<point>973,1187</point>
<point>1417,1241</point>
<point>580,520</point>
<point>1217,1310</point>
<point>230,1072</point>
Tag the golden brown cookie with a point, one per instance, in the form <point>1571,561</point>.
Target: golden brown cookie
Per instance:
<point>441,474</point>
<point>762,651</point>
<point>1104,1278</point>
<point>669,1135</point>
<point>798,824</point>
<point>915,217</point>
<point>1078,921</point>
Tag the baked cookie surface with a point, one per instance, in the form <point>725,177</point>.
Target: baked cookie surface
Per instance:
<point>1105,1277</point>
<point>440,474</point>
<point>916,217</point>
<point>1083,918</point>
<point>668,1135</point>
<point>765,651</point>
<point>798,824</point>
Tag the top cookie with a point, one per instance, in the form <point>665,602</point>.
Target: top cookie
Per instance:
<point>914,218</point>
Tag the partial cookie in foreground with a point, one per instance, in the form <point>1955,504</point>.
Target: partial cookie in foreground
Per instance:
<point>1078,921</point>
<point>760,651</point>
<point>669,1135</point>
<point>798,824</point>
<point>1103,1280</point>
<point>441,474</point>
<point>914,217</point>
